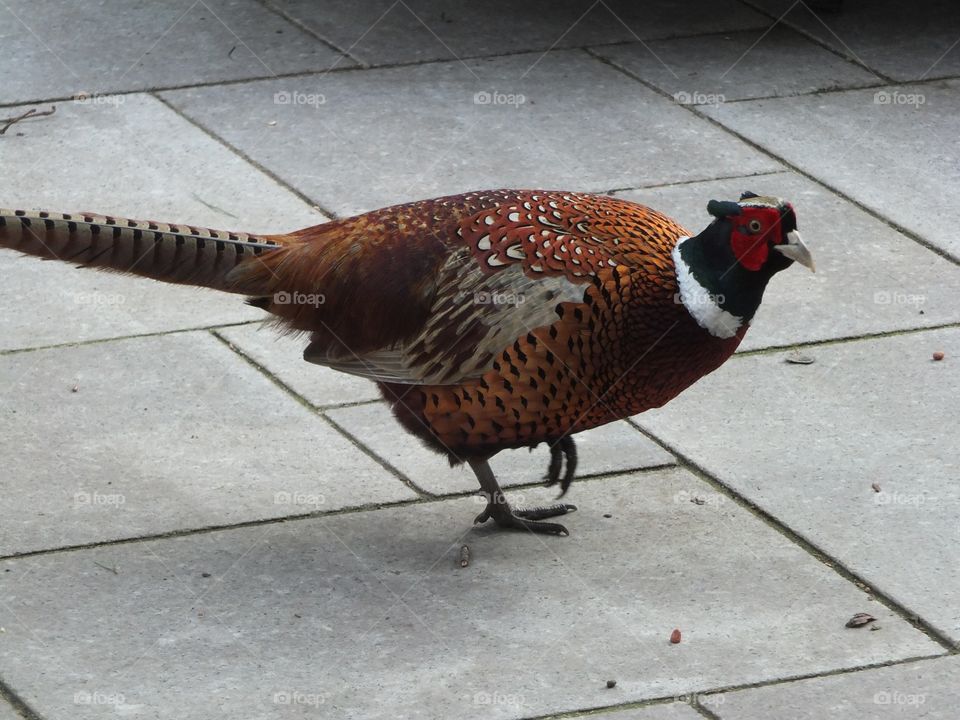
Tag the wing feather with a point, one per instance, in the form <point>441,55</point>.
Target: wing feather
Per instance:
<point>497,266</point>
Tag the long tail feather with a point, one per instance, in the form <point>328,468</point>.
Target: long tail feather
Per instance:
<point>172,253</point>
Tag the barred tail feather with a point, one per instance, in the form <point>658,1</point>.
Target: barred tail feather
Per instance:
<point>182,254</point>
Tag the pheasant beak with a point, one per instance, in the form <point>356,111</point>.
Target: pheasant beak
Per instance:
<point>796,250</point>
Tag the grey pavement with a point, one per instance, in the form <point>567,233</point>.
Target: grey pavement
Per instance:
<point>342,143</point>
<point>195,523</point>
<point>382,31</point>
<point>831,431</point>
<point>902,41</point>
<point>722,67</point>
<point>373,617</point>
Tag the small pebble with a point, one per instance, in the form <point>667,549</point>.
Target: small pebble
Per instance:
<point>204,574</point>
<point>611,683</point>
<point>675,637</point>
<point>939,355</point>
<point>797,359</point>
<point>876,487</point>
<point>607,515</point>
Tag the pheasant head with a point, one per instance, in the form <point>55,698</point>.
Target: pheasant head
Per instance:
<point>723,271</point>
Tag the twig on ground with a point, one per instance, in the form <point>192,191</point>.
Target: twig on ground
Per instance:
<point>32,113</point>
<point>105,567</point>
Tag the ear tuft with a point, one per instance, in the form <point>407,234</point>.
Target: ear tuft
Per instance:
<point>723,208</point>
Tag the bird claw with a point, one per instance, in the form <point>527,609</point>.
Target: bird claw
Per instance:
<point>565,447</point>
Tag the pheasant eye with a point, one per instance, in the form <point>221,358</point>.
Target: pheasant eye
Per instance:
<point>754,226</point>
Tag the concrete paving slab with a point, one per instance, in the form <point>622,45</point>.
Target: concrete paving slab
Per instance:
<point>132,170</point>
<point>368,615</point>
<point>56,50</point>
<point>282,356</point>
<point>869,278</point>
<point>926,689</point>
<point>712,69</point>
<point>807,442</point>
<point>611,448</point>
<point>884,148</point>
<point>388,32</point>
<point>392,135</point>
<point>163,433</point>
<point>905,41</point>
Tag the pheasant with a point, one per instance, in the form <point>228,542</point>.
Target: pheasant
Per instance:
<point>490,320</point>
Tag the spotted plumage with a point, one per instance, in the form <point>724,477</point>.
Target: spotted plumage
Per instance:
<point>491,320</point>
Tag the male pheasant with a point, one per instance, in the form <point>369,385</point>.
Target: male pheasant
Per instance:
<point>491,320</point>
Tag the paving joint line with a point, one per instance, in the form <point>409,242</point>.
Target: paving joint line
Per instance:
<point>247,159</point>
<point>811,548</point>
<point>807,93</point>
<point>136,336</point>
<point>357,442</point>
<point>362,66</point>
<point>694,109</point>
<point>280,76</point>
<point>884,82</point>
<point>344,405</point>
<point>19,705</point>
<point>600,711</point>
<point>316,514</point>
<point>880,334</point>
<point>323,417</point>
<point>303,27</point>
<point>655,186</point>
<point>813,38</point>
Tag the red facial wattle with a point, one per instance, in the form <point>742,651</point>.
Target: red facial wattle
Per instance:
<point>750,246</point>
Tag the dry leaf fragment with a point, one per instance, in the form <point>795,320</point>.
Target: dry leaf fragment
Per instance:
<point>798,359</point>
<point>860,619</point>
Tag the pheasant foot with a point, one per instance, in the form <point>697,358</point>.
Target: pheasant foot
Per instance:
<point>499,510</point>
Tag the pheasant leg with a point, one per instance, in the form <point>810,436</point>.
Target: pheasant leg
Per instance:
<point>499,510</point>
